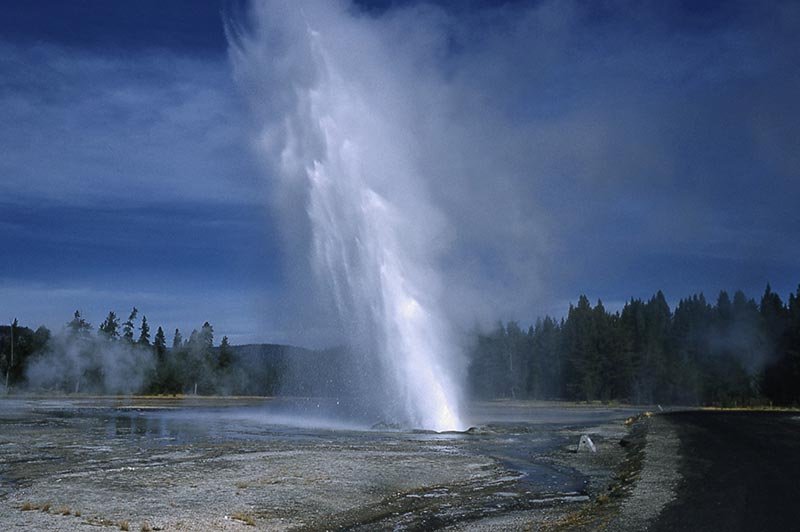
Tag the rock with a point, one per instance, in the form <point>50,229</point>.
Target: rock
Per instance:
<point>586,444</point>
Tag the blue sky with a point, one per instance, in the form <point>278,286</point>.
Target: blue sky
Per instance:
<point>611,149</point>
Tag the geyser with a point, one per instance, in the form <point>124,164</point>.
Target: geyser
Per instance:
<point>337,132</point>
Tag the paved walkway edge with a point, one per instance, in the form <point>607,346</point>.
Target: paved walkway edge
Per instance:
<point>657,482</point>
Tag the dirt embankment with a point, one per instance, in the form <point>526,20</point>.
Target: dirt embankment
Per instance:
<point>631,486</point>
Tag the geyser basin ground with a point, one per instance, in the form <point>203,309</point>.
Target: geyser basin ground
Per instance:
<point>215,464</point>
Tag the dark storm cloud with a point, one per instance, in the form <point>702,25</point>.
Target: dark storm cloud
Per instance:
<point>144,127</point>
<point>611,148</point>
<point>608,148</point>
<point>619,150</point>
<point>126,178</point>
<point>181,264</point>
<point>191,26</point>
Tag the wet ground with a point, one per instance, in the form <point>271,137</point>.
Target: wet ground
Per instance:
<point>244,464</point>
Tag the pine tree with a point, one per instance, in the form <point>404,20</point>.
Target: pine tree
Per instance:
<point>79,327</point>
<point>160,344</point>
<point>128,326</point>
<point>581,370</point>
<point>110,327</point>
<point>783,363</point>
<point>546,369</point>
<point>225,354</point>
<point>206,337</point>
<point>724,314</point>
<point>162,378</point>
<point>144,336</point>
<point>9,361</point>
<point>177,340</point>
<point>41,338</point>
<point>79,340</point>
<point>517,353</point>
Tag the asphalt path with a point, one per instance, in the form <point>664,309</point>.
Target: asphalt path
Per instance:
<point>740,472</point>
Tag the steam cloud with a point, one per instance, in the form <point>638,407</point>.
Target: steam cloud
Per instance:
<point>556,146</point>
<point>341,139</point>
<point>566,147</point>
<point>90,364</point>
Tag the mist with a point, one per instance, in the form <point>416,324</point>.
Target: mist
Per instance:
<point>494,159</point>
<point>561,151</point>
<point>568,147</point>
<point>90,364</point>
<point>340,141</point>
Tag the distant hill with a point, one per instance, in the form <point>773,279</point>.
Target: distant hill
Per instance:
<point>274,369</point>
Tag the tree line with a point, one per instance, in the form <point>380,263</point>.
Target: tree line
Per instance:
<point>733,352</point>
<point>120,357</point>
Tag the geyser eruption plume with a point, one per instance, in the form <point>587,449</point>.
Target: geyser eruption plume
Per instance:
<point>337,131</point>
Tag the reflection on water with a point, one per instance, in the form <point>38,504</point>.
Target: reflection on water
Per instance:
<point>148,422</point>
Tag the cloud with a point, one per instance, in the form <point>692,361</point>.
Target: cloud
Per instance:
<point>126,180</point>
<point>81,126</point>
<point>567,144</point>
<point>585,140</point>
<point>242,315</point>
<point>566,147</point>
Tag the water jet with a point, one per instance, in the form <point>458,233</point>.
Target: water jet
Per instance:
<point>341,137</point>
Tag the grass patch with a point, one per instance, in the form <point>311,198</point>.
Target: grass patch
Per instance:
<point>27,506</point>
<point>754,408</point>
<point>64,511</point>
<point>46,507</point>
<point>145,527</point>
<point>244,518</point>
<point>123,525</point>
